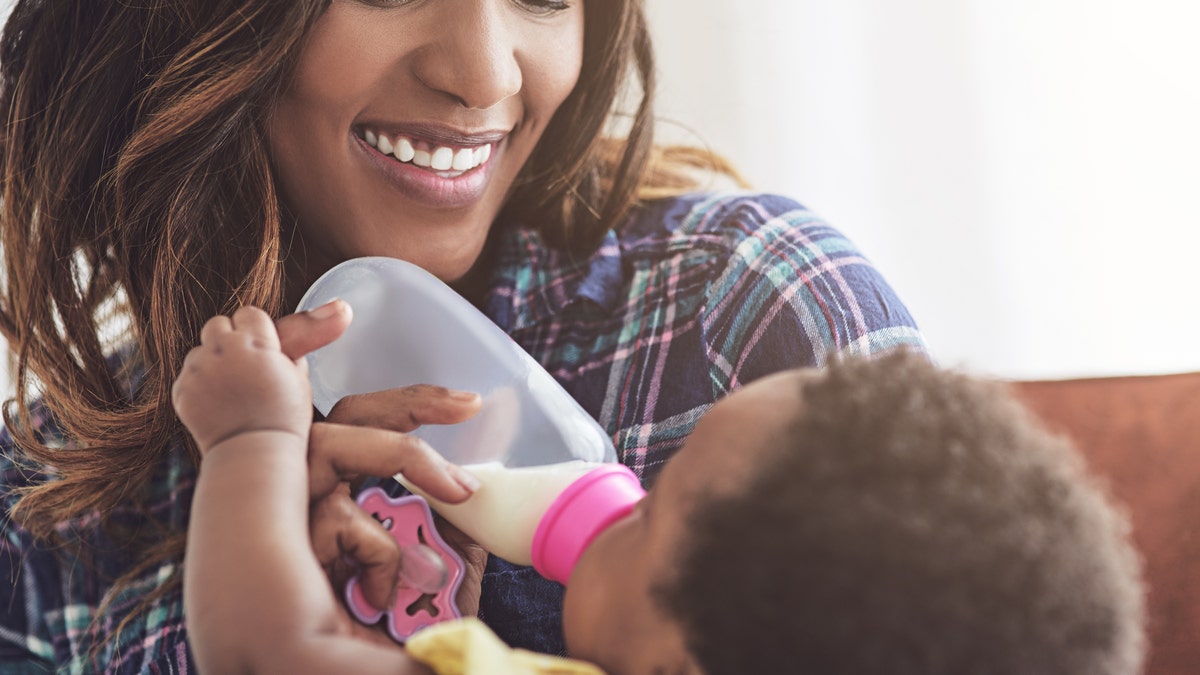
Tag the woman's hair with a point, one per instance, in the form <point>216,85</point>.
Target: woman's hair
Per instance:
<point>137,183</point>
<point>910,520</point>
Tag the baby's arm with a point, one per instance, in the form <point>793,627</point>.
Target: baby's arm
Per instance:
<point>255,596</point>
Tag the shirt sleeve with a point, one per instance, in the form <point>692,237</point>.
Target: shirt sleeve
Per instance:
<point>795,293</point>
<point>24,644</point>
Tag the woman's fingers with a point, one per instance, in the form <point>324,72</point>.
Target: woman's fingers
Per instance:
<point>366,435</point>
<point>475,560</point>
<point>340,453</point>
<point>304,332</point>
<point>406,408</point>
<point>340,531</point>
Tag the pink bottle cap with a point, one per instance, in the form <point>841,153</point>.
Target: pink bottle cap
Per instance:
<point>594,501</point>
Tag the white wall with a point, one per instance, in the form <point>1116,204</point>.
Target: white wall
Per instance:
<point>1025,172</point>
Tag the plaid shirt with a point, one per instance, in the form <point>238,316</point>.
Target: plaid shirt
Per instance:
<point>691,298</point>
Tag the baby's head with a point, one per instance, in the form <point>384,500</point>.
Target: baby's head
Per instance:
<point>881,516</point>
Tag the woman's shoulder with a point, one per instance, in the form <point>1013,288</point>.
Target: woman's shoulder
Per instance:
<point>769,276</point>
<point>737,235</point>
<point>716,220</point>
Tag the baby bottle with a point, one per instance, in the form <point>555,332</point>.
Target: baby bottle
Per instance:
<point>549,477</point>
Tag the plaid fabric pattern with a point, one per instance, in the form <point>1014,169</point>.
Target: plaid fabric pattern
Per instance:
<point>49,603</point>
<point>696,297</point>
<point>693,297</point>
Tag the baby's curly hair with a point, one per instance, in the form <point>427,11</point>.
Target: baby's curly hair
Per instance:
<point>914,520</point>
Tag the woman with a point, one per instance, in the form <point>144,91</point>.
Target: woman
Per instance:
<point>167,162</point>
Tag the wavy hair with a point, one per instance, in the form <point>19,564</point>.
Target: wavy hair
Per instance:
<point>137,183</point>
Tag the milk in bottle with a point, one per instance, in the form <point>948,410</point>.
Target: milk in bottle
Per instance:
<point>503,515</point>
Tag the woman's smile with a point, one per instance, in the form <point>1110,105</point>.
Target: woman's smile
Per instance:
<point>415,122</point>
<point>441,169</point>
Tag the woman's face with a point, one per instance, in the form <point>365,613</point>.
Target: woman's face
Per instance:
<point>407,121</point>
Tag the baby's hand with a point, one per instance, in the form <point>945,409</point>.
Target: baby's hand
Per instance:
<point>239,380</point>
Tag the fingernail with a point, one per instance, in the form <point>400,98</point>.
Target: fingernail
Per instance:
<point>326,310</point>
<point>463,395</point>
<point>422,568</point>
<point>463,477</point>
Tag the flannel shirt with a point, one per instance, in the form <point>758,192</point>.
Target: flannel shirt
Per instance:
<point>691,298</point>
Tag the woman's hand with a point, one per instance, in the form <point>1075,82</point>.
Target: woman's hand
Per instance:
<point>474,558</point>
<point>367,435</point>
<point>340,455</point>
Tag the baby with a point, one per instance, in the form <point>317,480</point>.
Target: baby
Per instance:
<point>879,516</point>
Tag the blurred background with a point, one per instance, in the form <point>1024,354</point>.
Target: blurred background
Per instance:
<point>1026,173</point>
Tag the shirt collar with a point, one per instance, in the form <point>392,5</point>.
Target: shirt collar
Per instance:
<point>532,282</point>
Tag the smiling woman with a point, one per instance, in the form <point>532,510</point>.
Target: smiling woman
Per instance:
<point>179,161</point>
<point>409,146</point>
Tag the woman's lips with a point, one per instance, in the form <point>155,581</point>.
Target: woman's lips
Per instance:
<point>462,156</point>
<point>417,178</point>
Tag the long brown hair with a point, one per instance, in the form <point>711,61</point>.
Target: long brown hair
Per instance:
<point>136,180</point>
<point>135,177</point>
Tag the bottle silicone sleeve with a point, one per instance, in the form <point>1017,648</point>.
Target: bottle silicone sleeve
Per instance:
<point>409,521</point>
<point>579,514</point>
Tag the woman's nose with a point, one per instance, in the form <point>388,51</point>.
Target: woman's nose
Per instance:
<point>472,59</point>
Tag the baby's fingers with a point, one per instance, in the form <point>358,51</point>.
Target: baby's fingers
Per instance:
<point>214,328</point>
<point>258,325</point>
<point>248,320</point>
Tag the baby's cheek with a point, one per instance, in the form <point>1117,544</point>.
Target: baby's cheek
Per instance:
<point>574,619</point>
<point>589,607</point>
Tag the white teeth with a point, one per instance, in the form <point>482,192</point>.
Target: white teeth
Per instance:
<point>443,159</point>
<point>404,149</point>
<point>440,158</point>
<point>463,159</point>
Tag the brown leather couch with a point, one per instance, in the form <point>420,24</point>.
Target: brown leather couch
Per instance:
<point>1142,436</point>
